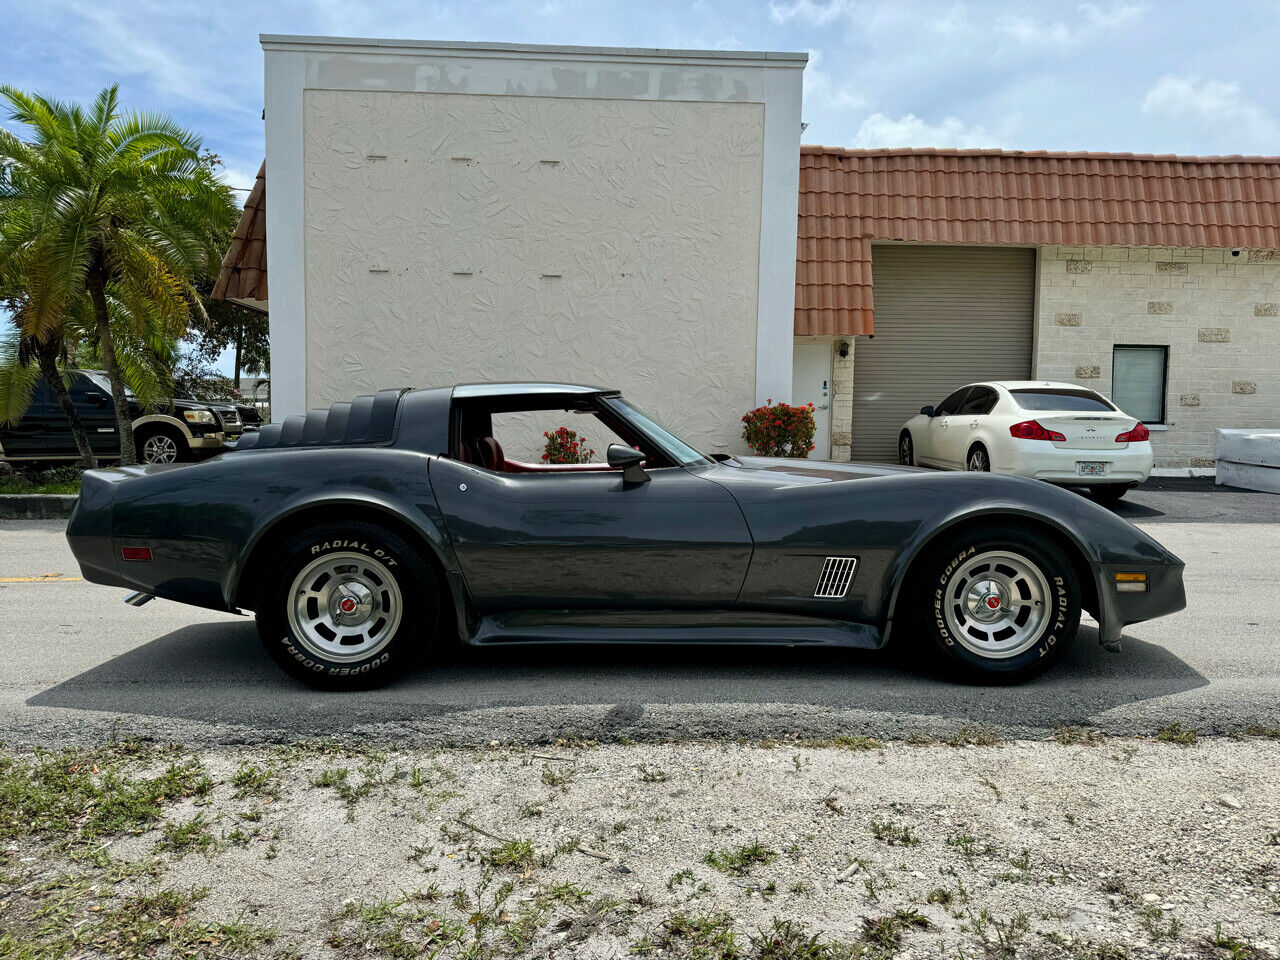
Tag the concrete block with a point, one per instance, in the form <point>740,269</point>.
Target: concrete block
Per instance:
<point>1260,447</point>
<point>1248,476</point>
<point>1214,335</point>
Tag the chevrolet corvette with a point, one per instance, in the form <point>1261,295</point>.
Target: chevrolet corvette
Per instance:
<point>367,534</point>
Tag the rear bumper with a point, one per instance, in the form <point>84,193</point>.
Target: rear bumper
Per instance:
<point>1164,595</point>
<point>1041,460</point>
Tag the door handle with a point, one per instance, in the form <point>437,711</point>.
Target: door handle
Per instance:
<point>973,423</point>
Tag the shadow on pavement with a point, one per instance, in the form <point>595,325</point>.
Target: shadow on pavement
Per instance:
<point>218,673</point>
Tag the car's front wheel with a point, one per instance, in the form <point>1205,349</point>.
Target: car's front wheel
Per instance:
<point>350,606</point>
<point>997,605</point>
<point>160,445</point>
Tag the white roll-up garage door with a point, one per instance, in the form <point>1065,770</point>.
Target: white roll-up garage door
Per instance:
<point>944,317</point>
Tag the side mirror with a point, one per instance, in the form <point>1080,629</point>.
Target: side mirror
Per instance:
<point>927,411</point>
<point>630,461</point>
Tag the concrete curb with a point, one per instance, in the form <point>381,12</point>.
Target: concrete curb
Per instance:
<point>37,506</point>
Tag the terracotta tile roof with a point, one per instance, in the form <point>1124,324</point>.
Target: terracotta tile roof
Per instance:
<point>244,269</point>
<point>850,197</point>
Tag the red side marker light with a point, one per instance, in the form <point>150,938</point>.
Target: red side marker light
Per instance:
<point>1032,430</point>
<point>135,553</point>
<point>1136,435</point>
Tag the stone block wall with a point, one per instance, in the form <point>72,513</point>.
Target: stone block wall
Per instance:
<point>1218,313</point>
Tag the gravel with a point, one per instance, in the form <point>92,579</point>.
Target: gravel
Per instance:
<point>1051,848</point>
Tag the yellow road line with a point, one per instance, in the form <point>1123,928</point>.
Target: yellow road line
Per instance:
<point>43,578</point>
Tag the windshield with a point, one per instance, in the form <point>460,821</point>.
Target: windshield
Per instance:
<point>1084,401</point>
<point>100,381</point>
<point>671,445</point>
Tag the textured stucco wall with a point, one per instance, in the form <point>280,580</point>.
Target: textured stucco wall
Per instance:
<point>455,237</point>
<point>1216,312</point>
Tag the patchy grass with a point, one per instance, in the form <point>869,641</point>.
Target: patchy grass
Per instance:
<point>516,855</point>
<point>974,736</point>
<point>1176,733</point>
<point>187,837</point>
<point>56,480</point>
<point>139,926</point>
<point>894,834</point>
<point>1082,736</point>
<point>254,781</point>
<point>705,936</point>
<point>339,781</point>
<point>885,933</point>
<point>82,797</point>
<point>740,860</point>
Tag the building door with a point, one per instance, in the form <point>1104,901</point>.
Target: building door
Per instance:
<point>945,317</point>
<point>811,383</point>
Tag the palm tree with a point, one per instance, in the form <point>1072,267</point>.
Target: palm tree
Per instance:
<point>102,206</point>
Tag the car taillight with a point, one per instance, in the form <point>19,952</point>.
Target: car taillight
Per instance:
<point>1136,435</point>
<point>1032,430</point>
<point>135,553</point>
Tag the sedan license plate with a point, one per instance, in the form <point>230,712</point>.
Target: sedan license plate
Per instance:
<point>1091,468</point>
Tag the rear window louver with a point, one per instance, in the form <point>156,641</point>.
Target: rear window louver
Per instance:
<point>364,420</point>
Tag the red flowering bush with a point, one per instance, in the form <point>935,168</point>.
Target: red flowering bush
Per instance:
<point>779,430</point>
<point>565,446</point>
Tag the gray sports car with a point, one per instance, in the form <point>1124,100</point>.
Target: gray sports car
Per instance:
<point>367,533</point>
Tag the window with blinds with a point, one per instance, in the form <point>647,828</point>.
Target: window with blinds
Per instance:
<point>1138,381</point>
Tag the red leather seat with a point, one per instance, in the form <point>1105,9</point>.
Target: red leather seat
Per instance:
<point>489,454</point>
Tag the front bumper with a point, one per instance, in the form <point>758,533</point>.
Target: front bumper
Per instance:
<point>207,441</point>
<point>1165,594</point>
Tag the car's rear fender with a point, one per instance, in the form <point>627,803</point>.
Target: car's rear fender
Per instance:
<point>419,522</point>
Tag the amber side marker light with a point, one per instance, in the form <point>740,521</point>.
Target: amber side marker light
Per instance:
<point>135,553</point>
<point>1131,583</point>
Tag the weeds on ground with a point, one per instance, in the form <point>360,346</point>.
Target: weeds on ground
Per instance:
<point>885,934</point>
<point>740,860</point>
<point>974,736</point>
<point>339,781</point>
<point>186,837</point>
<point>253,781</point>
<point>518,855</point>
<point>1176,733</point>
<point>894,834</point>
<point>82,797</point>
<point>1083,736</point>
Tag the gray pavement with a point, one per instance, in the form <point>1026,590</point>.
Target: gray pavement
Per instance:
<point>80,666</point>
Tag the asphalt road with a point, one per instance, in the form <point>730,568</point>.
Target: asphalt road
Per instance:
<point>80,666</point>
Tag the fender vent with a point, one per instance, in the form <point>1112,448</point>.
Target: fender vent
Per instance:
<point>837,574</point>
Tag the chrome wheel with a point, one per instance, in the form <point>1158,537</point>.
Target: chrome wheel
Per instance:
<point>904,450</point>
<point>344,606</point>
<point>978,460</point>
<point>159,448</point>
<point>998,604</point>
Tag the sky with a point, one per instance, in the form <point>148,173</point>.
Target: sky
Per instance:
<point>1118,75</point>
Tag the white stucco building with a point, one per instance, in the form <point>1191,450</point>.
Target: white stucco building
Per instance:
<point>451,212</point>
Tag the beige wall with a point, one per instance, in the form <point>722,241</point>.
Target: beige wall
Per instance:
<point>1216,312</point>
<point>453,238</point>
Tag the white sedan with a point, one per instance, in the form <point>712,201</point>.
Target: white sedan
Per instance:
<point>1058,432</point>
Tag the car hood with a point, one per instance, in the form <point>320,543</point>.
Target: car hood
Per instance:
<point>785,471</point>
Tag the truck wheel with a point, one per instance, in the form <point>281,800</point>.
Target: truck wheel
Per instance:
<point>352,606</point>
<point>160,445</point>
<point>996,605</point>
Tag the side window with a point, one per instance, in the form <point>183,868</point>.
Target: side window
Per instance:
<point>523,435</point>
<point>979,403</point>
<point>951,405</point>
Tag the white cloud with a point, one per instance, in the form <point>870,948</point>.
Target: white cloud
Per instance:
<point>1094,19</point>
<point>813,13</point>
<point>1208,101</point>
<point>909,130</point>
<point>822,91</point>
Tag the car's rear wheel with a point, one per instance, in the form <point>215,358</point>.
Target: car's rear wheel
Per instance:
<point>978,459</point>
<point>906,454</point>
<point>351,606</point>
<point>160,445</point>
<point>998,605</point>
